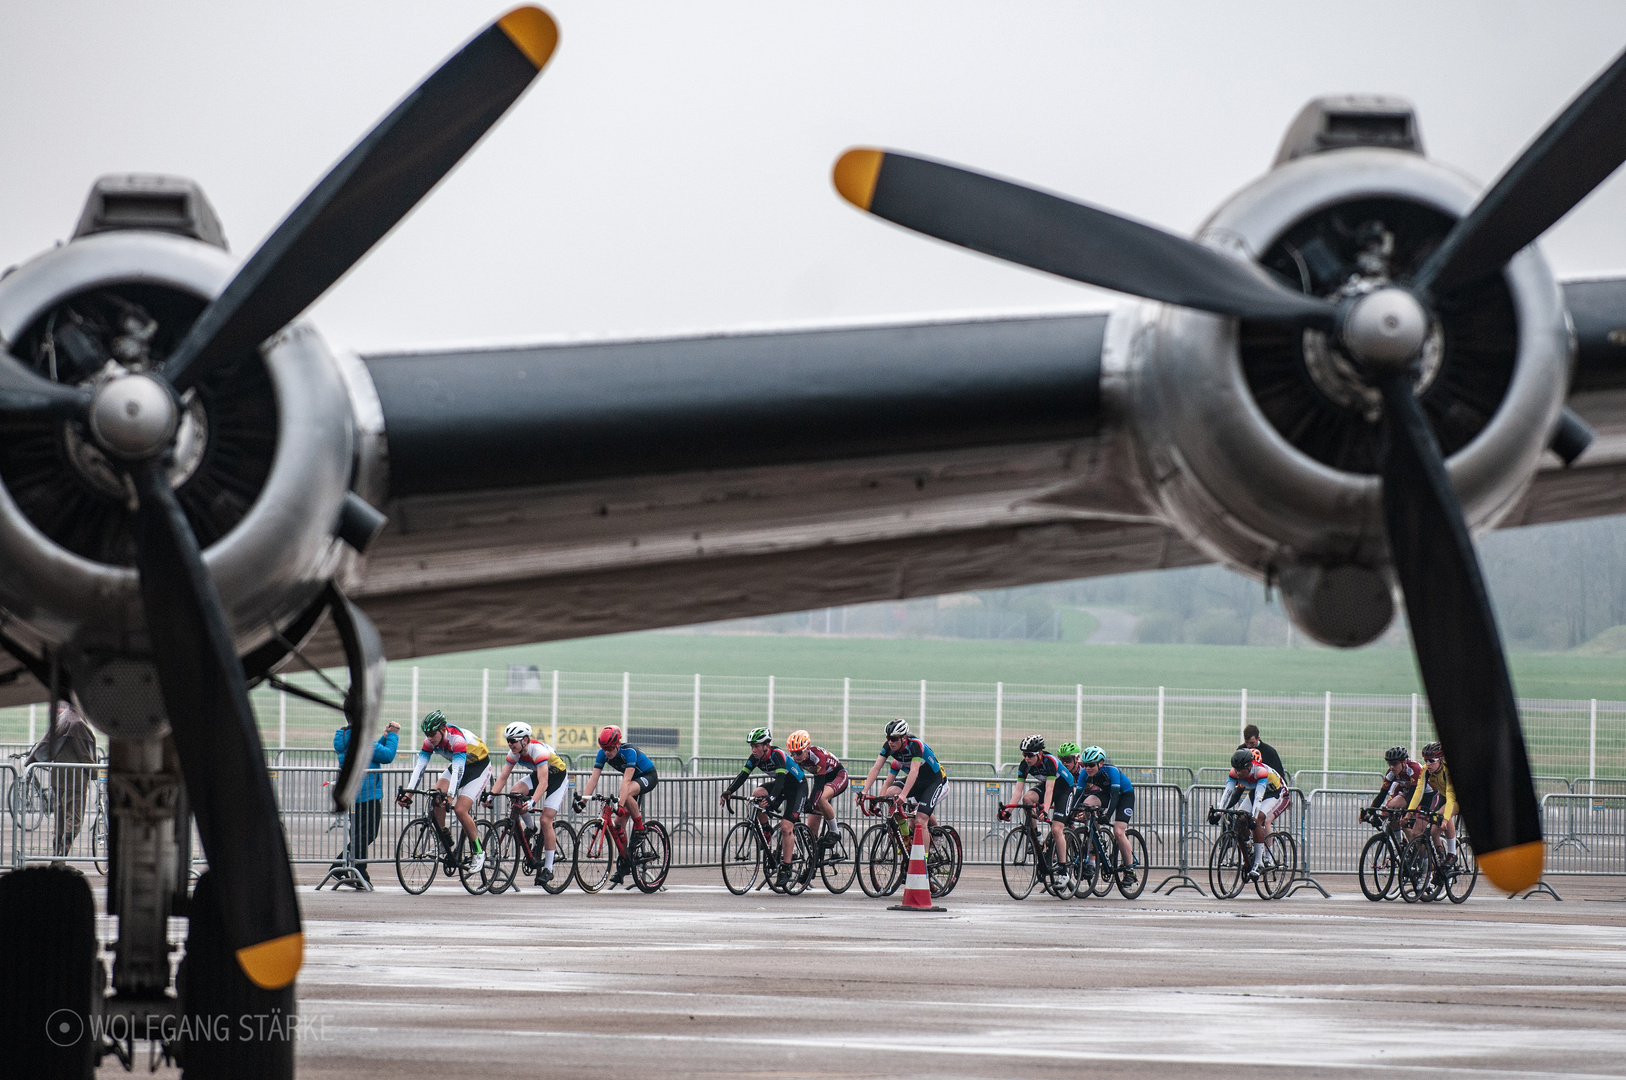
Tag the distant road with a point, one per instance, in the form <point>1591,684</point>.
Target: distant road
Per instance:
<point>1113,627</point>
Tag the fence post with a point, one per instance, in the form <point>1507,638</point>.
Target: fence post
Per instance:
<point>846,704</point>
<point>1326,738</point>
<point>553,721</point>
<point>1413,743</point>
<point>923,710</point>
<point>770,704</point>
<point>1240,737</point>
<point>626,702</point>
<point>1078,714</point>
<point>485,702</point>
<point>999,719</point>
<point>414,717</point>
<point>1160,729</point>
<point>1592,749</point>
<point>696,750</point>
<point>31,709</point>
<point>282,719</point>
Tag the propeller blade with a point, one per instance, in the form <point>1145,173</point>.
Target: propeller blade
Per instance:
<point>364,196</point>
<point>221,755</point>
<point>1458,649</point>
<point>1045,232</point>
<point>25,393</point>
<point>1575,154</point>
<point>364,652</point>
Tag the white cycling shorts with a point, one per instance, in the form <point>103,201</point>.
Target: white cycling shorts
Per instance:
<point>472,788</point>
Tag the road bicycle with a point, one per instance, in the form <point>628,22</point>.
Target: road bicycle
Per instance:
<point>647,855</point>
<point>514,849</point>
<point>883,851</point>
<point>754,846</point>
<point>1380,856</point>
<point>1027,858</point>
<point>421,853</point>
<point>1232,855</point>
<point>1426,872</point>
<point>1102,861</point>
<point>29,801</point>
<point>836,864</point>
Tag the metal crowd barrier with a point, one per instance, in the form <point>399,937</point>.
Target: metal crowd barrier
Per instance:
<point>59,813</point>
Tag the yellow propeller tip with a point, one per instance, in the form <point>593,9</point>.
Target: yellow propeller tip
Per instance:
<point>1513,868</point>
<point>855,174</point>
<point>533,33</point>
<point>271,965</point>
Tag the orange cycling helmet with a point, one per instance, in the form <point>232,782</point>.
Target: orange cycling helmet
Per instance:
<point>798,741</point>
<point>609,737</point>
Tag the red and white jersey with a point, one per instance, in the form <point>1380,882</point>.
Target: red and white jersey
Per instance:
<point>820,762</point>
<point>1402,778</point>
<point>536,755</point>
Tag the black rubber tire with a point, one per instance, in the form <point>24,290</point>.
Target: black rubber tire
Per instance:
<point>801,860</point>
<point>944,860</point>
<point>564,857</point>
<point>1377,868</point>
<point>1226,868</point>
<point>741,858</point>
<point>1460,883</point>
<point>417,856</point>
<point>50,989</point>
<point>839,867</point>
<point>502,858</point>
<point>1018,864</point>
<point>1137,845</point>
<point>595,857</point>
<point>217,997</point>
<point>651,857</point>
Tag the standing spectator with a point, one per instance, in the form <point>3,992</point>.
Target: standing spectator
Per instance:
<point>1267,752</point>
<point>68,739</point>
<point>364,816</point>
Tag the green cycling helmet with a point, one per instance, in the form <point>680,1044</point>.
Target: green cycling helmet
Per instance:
<point>759,736</point>
<point>1067,750</point>
<point>435,721</point>
<point>1094,755</point>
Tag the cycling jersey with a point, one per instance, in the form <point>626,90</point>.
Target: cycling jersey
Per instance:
<point>1400,780</point>
<point>1264,783</point>
<point>467,754</point>
<point>1439,785</point>
<point>777,764</point>
<point>626,757</point>
<point>535,755</point>
<point>1046,767</point>
<point>904,755</point>
<point>1109,785</point>
<point>821,763</point>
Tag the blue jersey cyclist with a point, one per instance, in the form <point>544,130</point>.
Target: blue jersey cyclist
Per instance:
<point>464,779</point>
<point>1108,791</point>
<point>1052,793</point>
<point>924,782</point>
<point>785,785</point>
<point>637,779</point>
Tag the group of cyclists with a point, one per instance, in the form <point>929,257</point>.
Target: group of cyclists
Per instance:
<point>802,780</point>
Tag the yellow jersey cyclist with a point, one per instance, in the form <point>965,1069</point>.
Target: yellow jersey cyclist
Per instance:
<point>530,756</point>
<point>1436,795</point>
<point>465,775</point>
<point>638,778</point>
<point>1050,793</point>
<point>1251,780</point>
<point>786,785</point>
<point>1108,790</point>
<point>829,780</point>
<point>924,782</point>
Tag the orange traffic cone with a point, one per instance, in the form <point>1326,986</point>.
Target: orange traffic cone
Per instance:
<point>917,890</point>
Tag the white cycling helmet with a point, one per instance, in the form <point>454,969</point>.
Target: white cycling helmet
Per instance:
<point>516,730</point>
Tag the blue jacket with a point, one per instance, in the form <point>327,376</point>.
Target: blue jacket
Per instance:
<point>383,753</point>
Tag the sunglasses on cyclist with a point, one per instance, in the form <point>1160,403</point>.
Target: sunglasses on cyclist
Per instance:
<point>1029,753</point>
<point>1433,757</point>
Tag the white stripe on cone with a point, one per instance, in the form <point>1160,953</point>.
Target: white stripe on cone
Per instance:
<point>917,891</point>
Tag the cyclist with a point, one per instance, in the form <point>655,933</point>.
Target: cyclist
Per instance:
<point>1250,778</point>
<point>530,755</point>
<point>829,780</point>
<point>786,787</point>
<point>466,776</point>
<point>924,782</point>
<point>1049,793</point>
<point>1108,790</point>
<point>1436,795</point>
<point>1400,782</point>
<point>637,778</point>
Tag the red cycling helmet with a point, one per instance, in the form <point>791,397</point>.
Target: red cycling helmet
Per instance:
<point>609,737</point>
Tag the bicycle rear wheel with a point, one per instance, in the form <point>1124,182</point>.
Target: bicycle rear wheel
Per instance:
<point>1416,867</point>
<point>417,856</point>
<point>944,860</point>
<point>1273,879</point>
<point>1377,867</point>
<point>651,857</point>
<point>742,858</point>
<point>564,858</point>
<point>884,863</point>
<point>839,865</point>
<point>1459,884</point>
<point>502,858</point>
<point>1018,864</point>
<point>595,857</point>
<point>1137,847</point>
<point>1227,867</point>
<point>1079,864</point>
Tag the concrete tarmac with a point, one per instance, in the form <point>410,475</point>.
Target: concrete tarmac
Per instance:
<point>694,982</point>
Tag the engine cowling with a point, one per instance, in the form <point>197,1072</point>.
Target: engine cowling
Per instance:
<point>1260,443</point>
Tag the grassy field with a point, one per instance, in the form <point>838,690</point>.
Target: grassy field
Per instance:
<point>1375,670</point>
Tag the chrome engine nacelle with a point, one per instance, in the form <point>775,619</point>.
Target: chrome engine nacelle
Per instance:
<point>263,474</point>
<point>1258,442</point>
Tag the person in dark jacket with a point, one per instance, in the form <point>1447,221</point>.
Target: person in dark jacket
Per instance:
<point>365,815</point>
<point>68,740</point>
<point>1267,752</point>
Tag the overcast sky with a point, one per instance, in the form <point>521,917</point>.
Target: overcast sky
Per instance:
<point>670,169</point>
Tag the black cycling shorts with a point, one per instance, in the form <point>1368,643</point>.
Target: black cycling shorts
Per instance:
<point>646,782</point>
<point>786,792</point>
<point>927,793</point>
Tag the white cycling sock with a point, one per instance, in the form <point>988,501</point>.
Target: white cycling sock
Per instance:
<point>529,819</point>
<point>1258,851</point>
<point>1450,845</point>
<point>547,859</point>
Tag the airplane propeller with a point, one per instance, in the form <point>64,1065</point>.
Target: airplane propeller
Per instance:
<point>1459,651</point>
<point>134,417</point>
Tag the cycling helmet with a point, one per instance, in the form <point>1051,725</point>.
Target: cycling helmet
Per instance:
<point>759,736</point>
<point>433,722</point>
<point>609,737</point>
<point>897,729</point>
<point>1395,754</point>
<point>798,741</point>
<point>1033,744</point>
<point>516,730</point>
<point>1242,759</point>
<point>1258,757</point>
<point>1433,752</point>
<point>1094,755</point>
<point>1067,750</point>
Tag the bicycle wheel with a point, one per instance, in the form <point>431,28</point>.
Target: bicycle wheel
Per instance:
<point>651,857</point>
<point>1227,867</point>
<point>1377,867</point>
<point>742,858</point>
<point>1135,872</point>
<point>866,844</point>
<point>1415,868</point>
<point>564,857</point>
<point>1104,846</point>
<point>801,860</point>
<point>1018,865</point>
<point>98,841</point>
<point>1080,865</point>
<point>28,803</point>
<point>1459,883</point>
<point>502,858</point>
<point>885,863</point>
<point>943,860</point>
<point>476,882</point>
<point>1274,877</point>
<point>417,856</point>
<point>595,857</point>
<point>839,865</point>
